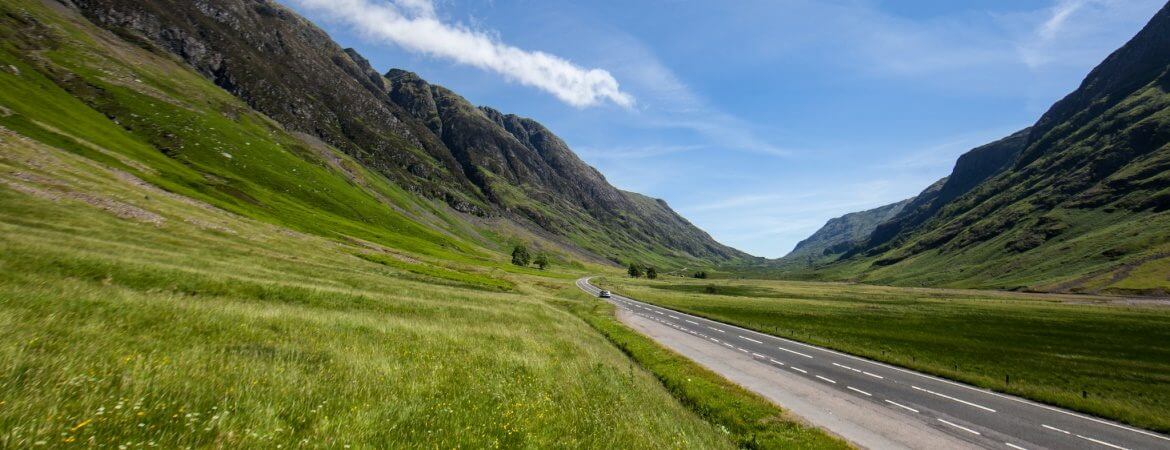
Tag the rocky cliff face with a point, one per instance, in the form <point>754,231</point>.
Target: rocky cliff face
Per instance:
<point>422,136</point>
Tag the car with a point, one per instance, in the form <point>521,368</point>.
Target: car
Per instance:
<point>604,294</point>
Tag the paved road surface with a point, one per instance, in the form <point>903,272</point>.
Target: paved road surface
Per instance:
<point>973,415</point>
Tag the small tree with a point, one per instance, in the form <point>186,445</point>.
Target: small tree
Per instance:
<point>634,271</point>
<point>520,256</point>
<point>651,273</point>
<point>541,261</point>
<point>702,274</point>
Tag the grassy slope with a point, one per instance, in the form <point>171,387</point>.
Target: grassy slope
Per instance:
<point>124,332</point>
<point>280,296</point>
<point>1052,348</point>
<point>751,421</point>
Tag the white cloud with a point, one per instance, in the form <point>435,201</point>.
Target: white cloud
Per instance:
<point>413,25</point>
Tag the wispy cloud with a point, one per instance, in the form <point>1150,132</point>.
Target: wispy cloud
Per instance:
<point>1060,14</point>
<point>666,101</point>
<point>635,152</point>
<point>414,25</point>
<point>1071,31</point>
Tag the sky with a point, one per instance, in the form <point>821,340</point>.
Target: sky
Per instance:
<point>756,120</point>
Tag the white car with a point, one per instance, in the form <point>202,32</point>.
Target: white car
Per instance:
<point>604,294</point>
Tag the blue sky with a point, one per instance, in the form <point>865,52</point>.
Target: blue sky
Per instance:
<point>756,120</point>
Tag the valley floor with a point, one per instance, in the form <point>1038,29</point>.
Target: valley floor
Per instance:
<point>1100,355</point>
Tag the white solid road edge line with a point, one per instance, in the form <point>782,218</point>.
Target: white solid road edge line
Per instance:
<point>901,406</point>
<point>952,398</point>
<point>940,380</point>
<point>960,427</point>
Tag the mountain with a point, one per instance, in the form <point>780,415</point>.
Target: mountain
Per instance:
<point>422,137</point>
<point>1079,202</point>
<point>841,234</point>
<point>972,168</point>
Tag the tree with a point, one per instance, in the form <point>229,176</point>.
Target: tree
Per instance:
<point>651,273</point>
<point>520,256</point>
<point>702,274</point>
<point>635,271</point>
<point>541,261</point>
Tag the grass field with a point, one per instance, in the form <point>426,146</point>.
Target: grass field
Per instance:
<point>133,318</point>
<point>1106,357</point>
<point>181,325</point>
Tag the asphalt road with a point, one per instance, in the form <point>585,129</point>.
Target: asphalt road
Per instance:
<point>978,416</point>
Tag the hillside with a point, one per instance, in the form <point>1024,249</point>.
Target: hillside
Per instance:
<point>840,234</point>
<point>1082,207</point>
<point>422,137</point>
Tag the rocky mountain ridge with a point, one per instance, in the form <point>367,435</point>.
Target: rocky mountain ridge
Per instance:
<point>423,137</point>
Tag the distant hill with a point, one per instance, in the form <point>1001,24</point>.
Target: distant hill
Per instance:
<point>1079,202</point>
<point>422,137</point>
<point>840,235</point>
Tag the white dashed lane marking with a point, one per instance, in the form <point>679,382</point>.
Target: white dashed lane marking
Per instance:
<point>960,427</point>
<point>867,394</point>
<point>953,398</point>
<point>795,352</point>
<point>1102,442</point>
<point>902,406</point>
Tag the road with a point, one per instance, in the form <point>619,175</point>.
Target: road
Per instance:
<point>973,415</point>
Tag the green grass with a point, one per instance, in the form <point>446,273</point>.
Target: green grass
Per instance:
<point>154,291</point>
<point>209,329</point>
<point>1092,354</point>
<point>750,421</point>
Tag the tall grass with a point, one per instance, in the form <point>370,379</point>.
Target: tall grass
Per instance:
<point>120,332</point>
